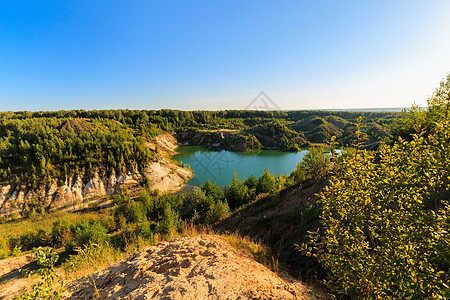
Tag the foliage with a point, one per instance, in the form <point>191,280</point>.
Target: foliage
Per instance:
<point>61,232</point>
<point>212,190</point>
<point>237,193</point>
<point>4,248</point>
<point>196,205</point>
<point>251,182</point>
<point>217,211</point>
<point>90,232</point>
<point>132,211</point>
<point>170,222</point>
<point>266,183</point>
<point>386,219</point>
<point>418,119</point>
<point>50,286</point>
<point>314,164</point>
<point>37,146</point>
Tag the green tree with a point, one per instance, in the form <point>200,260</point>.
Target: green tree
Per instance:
<point>170,222</point>
<point>314,164</point>
<point>266,183</point>
<point>237,193</point>
<point>212,190</point>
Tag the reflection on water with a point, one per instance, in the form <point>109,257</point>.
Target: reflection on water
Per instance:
<point>219,166</point>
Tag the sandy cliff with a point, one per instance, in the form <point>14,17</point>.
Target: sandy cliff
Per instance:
<point>93,185</point>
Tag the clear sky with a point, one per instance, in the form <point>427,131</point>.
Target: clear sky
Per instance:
<point>88,54</point>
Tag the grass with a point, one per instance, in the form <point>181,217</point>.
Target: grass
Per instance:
<point>18,227</point>
<point>256,250</point>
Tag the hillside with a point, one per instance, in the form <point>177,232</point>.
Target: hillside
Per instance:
<point>92,186</point>
<point>200,267</point>
<point>281,221</point>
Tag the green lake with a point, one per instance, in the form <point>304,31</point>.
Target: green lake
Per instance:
<point>219,166</point>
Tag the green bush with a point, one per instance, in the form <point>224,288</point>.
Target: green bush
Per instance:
<point>145,230</point>
<point>251,182</point>
<point>61,232</point>
<point>133,211</point>
<point>386,221</point>
<point>314,164</point>
<point>212,190</point>
<point>90,232</point>
<point>49,286</point>
<point>196,205</point>
<point>218,211</point>
<point>30,240</point>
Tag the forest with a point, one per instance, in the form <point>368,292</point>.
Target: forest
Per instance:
<point>36,146</point>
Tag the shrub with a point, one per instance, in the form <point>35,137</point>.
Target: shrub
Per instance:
<point>90,232</point>
<point>314,164</point>
<point>196,205</point>
<point>251,182</point>
<point>145,230</point>
<point>386,221</point>
<point>212,190</point>
<point>61,232</point>
<point>218,211</point>
<point>132,211</point>
<point>49,286</point>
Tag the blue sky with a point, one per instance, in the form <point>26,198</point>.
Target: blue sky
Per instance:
<point>220,54</point>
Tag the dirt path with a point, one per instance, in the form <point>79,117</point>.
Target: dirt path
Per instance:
<point>11,281</point>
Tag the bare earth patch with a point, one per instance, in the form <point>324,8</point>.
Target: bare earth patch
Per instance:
<point>200,267</point>
<point>11,281</point>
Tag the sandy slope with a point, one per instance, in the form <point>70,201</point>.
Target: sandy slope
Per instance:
<point>200,267</point>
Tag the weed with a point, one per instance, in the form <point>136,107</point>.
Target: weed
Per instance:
<point>50,286</point>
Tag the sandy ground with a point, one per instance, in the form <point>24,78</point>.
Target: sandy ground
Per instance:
<point>200,267</point>
<point>11,281</point>
<point>164,175</point>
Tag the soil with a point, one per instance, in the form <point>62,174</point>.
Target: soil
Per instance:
<point>200,267</point>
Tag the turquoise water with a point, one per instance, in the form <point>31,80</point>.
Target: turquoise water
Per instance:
<point>219,166</point>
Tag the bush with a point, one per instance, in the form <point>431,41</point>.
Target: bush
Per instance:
<point>196,205</point>
<point>49,286</point>
<point>314,164</point>
<point>89,233</point>
<point>386,221</point>
<point>217,212</point>
<point>145,230</point>
<point>30,240</point>
<point>251,182</point>
<point>212,190</point>
<point>132,211</point>
<point>61,232</point>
